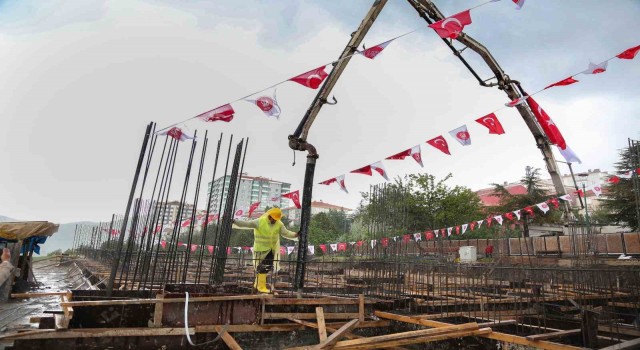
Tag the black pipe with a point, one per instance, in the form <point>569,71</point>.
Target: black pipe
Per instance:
<point>305,217</point>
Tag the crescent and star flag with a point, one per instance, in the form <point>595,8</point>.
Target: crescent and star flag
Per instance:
<point>517,212</point>
<point>519,3</point>
<point>413,152</point>
<point>311,79</point>
<point>547,124</point>
<point>472,225</point>
<point>429,235</point>
<point>253,207</point>
<point>379,168</point>
<point>597,190</point>
<point>461,134</point>
<point>163,244</point>
<point>223,113</point>
<point>283,250</point>
<point>529,211</point>
<point>339,180</point>
<point>563,82</point>
<point>365,170</point>
<point>239,213</point>
<point>492,123</point>
<point>312,250</point>
<point>509,216</point>
<point>210,249</point>
<point>498,219</point>
<point>458,230</point>
<point>406,238</point>
<point>295,197</point>
<point>342,247</point>
<point>323,247</point>
<point>464,228</point>
<point>488,220</point>
<point>543,206</point>
<point>554,202</point>
<point>385,242</point>
<point>452,26</point>
<point>177,134</point>
<point>373,51</point>
<point>613,180</point>
<point>517,101</point>
<point>417,236</point>
<point>268,105</point>
<point>596,68</point>
<point>629,54</point>
<point>440,143</point>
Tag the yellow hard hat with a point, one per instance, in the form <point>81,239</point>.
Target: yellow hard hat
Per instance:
<point>275,213</point>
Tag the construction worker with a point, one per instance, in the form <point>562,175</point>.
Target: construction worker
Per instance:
<point>266,244</point>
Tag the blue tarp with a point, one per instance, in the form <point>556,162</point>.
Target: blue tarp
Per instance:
<point>32,243</point>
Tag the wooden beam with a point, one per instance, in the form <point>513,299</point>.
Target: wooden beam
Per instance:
<point>310,301</point>
<point>337,335</point>
<point>228,339</point>
<point>36,295</point>
<point>322,330</point>
<point>559,334</point>
<point>309,316</point>
<point>157,311</point>
<point>417,340</point>
<point>164,301</point>
<point>629,344</point>
<point>493,335</point>
<point>361,307</point>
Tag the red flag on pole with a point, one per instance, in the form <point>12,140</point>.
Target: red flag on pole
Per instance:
<point>311,79</point>
<point>295,197</point>
<point>253,207</point>
<point>547,124</point>
<point>452,26</point>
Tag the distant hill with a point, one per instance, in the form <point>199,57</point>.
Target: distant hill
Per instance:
<point>63,239</point>
<point>6,218</point>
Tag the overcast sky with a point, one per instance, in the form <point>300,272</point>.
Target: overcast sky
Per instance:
<point>80,79</point>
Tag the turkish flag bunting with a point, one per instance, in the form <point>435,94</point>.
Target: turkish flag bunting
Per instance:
<point>436,232</point>
<point>163,244</point>
<point>295,197</point>
<point>379,168</point>
<point>544,207</point>
<point>194,247</point>
<point>449,230</point>
<point>461,135</point>
<point>223,113</point>
<point>498,219</point>
<point>597,190</point>
<point>509,216</point>
<point>458,230</point>
<point>554,202</point>
<point>385,242</point>
<point>566,197</point>
<point>360,243</point>
<point>629,54</point>
<point>312,250</point>
<point>429,235</point>
<point>210,249</point>
<point>417,236</point>
<point>464,228</point>
<point>614,179</point>
<point>519,3</point>
<point>267,104</point>
<point>529,211</point>
<point>488,219</point>
<point>452,26</point>
<point>373,51</point>
<point>547,124</point>
<point>342,247</point>
<point>406,238</point>
<point>323,247</point>
<point>339,180</point>
<point>365,170</point>
<point>440,143</point>
<point>596,68</point>
<point>185,223</point>
<point>334,247</point>
<point>283,250</point>
<point>626,175</point>
<point>516,102</point>
<point>492,123</point>
<point>563,82</point>
<point>479,223</point>
<point>177,134</point>
<point>517,212</point>
<point>413,152</point>
<point>472,225</point>
<point>253,207</point>
<point>311,79</point>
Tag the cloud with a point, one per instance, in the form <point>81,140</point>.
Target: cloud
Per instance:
<point>34,16</point>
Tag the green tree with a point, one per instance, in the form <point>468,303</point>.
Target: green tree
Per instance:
<point>619,197</point>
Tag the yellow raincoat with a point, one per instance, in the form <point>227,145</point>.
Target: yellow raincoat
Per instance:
<point>266,237</point>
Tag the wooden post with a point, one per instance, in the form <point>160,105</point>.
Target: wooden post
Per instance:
<point>322,331</point>
<point>157,312</point>
<point>590,329</point>
<point>361,307</point>
<point>228,339</point>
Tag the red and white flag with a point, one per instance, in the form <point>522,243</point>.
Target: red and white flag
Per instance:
<point>596,68</point>
<point>479,222</point>
<point>519,3</point>
<point>194,247</point>
<point>509,216</point>
<point>373,51</point>
<point>295,197</point>
<point>492,123</point>
<point>339,180</point>
<point>440,143</point>
<point>543,206</point>
<point>517,101</point>
<point>311,79</point>
<point>163,244</point>
<point>569,155</point>
<point>373,242</point>
<point>177,134</point>
<point>566,197</point>
<point>253,208</point>
<point>185,223</point>
<point>417,236</point>
<point>629,54</point>
<point>449,229</point>
<point>437,232</point>
<point>334,247</point>
<point>365,170</point>
<point>626,175</point>
<point>379,168</point>
<point>210,249</point>
<point>268,105</point>
<point>464,228</point>
<point>517,212</point>
<point>342,247</point>
<point>223,113</point>
<point>290,250</point>
<point>563,82</point>
<point>452,26</point>
<point>239,213</point>
<point>461,134</point>
<point>413,152</point>
<point>597,190</point>
<point>547,124</point>
<point>498,219</point>
<point>429,235</point>
<point>312,250</point>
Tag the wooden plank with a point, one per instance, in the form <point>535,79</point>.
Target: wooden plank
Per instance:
<point>493,335</point>
<point>322,331</point>
<point>36,295</point>
<point>165,301</point>
<point>417,340</point>
<point>228,339</point>
<point>361,307</point>
<point>309,301</point>
<point>337,335</point>
<point>309,316</point>
<point>553,335</point>
<point>629,344</point>
<point>157,312</point>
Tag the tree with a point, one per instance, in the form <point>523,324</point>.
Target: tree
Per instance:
<point>619,198</point>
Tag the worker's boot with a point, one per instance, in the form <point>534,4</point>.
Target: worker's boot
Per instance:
<point>262,283</point>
